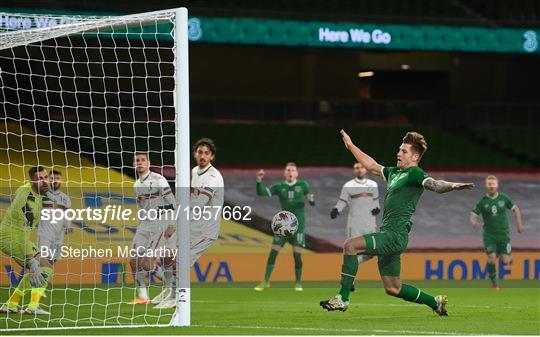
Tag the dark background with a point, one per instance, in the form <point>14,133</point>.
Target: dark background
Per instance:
<point>481,108</point>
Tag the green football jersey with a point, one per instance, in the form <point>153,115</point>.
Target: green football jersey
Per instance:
<point>25,209</point>
<point>493,211</point>
<point>402,195</point>
<point>292,197</point>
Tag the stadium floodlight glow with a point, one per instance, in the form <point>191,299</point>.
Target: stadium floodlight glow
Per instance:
<point>82,97</point>
<point>405,67</point>
<point>366,74</point>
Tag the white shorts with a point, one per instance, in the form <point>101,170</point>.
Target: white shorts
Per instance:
<point>146,234</point>
<point>199,243</point>
<point>51,235</point>
<point>355,231</point>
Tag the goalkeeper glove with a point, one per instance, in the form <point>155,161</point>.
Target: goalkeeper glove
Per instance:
<point>375,211</point>
<point>334,213</point>
<point>36,274</point>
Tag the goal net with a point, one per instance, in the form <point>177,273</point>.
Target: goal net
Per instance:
<point>80,96</point>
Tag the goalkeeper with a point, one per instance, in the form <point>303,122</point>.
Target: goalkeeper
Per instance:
<point>22,217</point>
<point>292,195</point>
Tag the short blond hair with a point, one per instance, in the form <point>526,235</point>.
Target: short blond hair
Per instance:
<point>291,164</point>
<point>416,141</point>
<point>492,177</point>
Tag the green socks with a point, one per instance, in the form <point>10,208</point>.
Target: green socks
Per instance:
<point>492,271</point>
<point>270,264</point>
<point>412,294</point>
<point>298,267</point>
<point>348,274</point>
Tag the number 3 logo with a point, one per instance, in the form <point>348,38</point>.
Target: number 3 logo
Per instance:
<point>194,29</point>
<point>531,41</point>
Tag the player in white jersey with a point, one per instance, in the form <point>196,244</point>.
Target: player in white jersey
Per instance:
<point>362,197</point>
<point>153,194</point>
<point>51,235</point>
<point>207,195</point>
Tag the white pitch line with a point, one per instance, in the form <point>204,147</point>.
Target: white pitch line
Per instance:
<point>356,304</point>
<point>337,330</point>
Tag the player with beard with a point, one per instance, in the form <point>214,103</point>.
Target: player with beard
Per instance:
<point>362,196</point>
<point>19,223</point>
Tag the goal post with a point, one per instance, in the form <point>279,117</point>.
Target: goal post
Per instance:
<point>81,96</point>
<point>182,316</point>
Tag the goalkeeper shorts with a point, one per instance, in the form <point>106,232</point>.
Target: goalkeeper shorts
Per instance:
<point>16,243</point>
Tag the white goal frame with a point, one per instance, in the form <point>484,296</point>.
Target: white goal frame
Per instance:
<point>182,153</point>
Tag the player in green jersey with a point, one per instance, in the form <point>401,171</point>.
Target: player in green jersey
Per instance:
<point>492,207</point>
<point>21,218</point>
<point>406,182</point>
<point>292,194</point>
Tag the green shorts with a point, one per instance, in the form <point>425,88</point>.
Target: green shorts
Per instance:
<point>498,244</point>
<point>16,243</point>
<point>298,240</point>
<point>387,246</point>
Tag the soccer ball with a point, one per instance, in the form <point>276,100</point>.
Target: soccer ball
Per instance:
<point>284,223</point>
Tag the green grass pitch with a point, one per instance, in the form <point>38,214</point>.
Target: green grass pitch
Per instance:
<point>236,309</point>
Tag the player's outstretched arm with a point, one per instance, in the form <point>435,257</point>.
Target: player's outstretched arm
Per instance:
<point>519,221</point>
<point>369,163</point>
<point>261,189</point>
<point>441,186</point>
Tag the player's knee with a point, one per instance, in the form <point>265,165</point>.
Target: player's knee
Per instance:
<point>277,248</point>
<point>348,248</point>
<point>168,262</point>
<point>492,260</point>
<point>147,264</point>
<point>506,260</point>
<point>392,291</point>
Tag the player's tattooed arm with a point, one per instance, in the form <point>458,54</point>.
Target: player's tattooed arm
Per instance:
<point>441,186</point>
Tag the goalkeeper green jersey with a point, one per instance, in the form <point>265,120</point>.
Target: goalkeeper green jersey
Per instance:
<point>402,195</point>
<point>24,211</point>
<point>292,197</point>
<point>493,211</point>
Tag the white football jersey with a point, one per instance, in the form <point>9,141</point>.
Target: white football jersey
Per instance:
<point>59,199</point>
<point>210,183</point>
<point>362,196</point>
<point>151,190</point>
